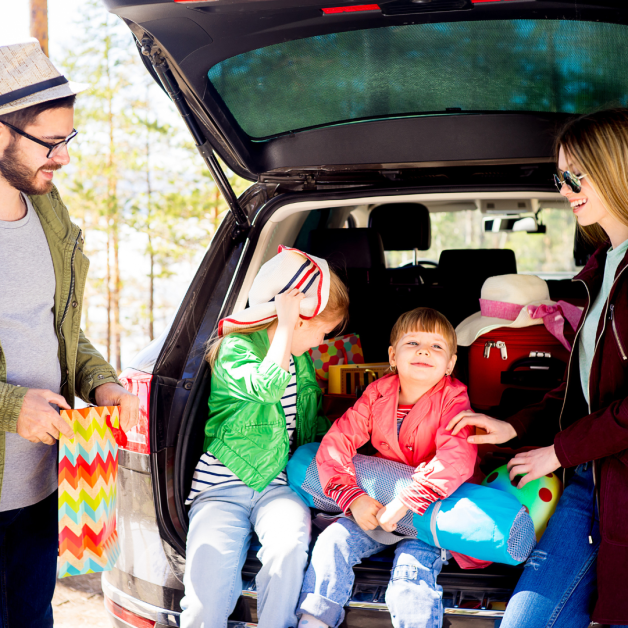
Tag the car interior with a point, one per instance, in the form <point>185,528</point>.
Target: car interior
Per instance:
<point>355,240</point>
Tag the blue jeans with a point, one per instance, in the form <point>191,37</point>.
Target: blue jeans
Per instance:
<point>222,521</point>
<point>413,597</point>
<point>29,545</point>
<point>559,581</point>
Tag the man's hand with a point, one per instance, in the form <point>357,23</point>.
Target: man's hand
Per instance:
<point>535,464</point>
<point>391,514</point>
<point>111,394</point>
<point>38,421</point>
<point>497,431</point>
<point>364,510</point>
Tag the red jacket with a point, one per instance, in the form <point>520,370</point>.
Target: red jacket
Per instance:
<point>442,461</point>
<point>597,433</point>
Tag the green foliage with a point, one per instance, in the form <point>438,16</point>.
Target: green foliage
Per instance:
<point>137,187</point>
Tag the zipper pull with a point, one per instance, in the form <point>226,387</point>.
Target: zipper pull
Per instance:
<point>501,345</point>
<point>611,308</point>
<point>487,348</point>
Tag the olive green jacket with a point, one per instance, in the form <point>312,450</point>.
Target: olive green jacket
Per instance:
<point>82,366</point>
<point>246,429</point>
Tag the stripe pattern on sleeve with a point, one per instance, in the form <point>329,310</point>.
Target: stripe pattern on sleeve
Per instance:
<point>418,497</point>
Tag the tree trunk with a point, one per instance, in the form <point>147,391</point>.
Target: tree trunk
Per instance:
<point>114,229</point>
<point>108,284</point>
<point>151,296</point>
<point>39,22</point>
<point>151,252</point>
<point>115,301</point>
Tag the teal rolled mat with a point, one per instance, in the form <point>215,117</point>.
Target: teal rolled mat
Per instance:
<point>476,521</point>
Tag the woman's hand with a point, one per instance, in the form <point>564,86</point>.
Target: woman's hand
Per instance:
<point>364,510</point>
<point>289,307</point>
<point>391,514</point>
<point>497,431</point>
<point>535,464</point>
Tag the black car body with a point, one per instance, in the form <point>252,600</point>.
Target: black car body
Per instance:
<point>332,109</point>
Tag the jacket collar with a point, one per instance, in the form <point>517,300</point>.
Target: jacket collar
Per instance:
<point>593,273</point>
<point>594,268</point>
<point>388,386</point>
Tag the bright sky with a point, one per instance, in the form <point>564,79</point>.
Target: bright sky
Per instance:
<point>14,25</point>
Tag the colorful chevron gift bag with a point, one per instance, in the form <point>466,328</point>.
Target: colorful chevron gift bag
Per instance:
<point>88,471</point>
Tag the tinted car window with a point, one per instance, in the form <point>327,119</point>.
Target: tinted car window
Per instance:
<point>503,65</point>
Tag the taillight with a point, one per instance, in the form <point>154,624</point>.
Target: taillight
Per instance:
<point>138,383</point>
<point>127,616</point>
<point>356,8</point>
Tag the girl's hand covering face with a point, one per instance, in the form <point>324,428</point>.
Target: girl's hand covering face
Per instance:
<point>289,307</point>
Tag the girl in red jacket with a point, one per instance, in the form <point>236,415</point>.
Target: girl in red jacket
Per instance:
<point>404,415</point>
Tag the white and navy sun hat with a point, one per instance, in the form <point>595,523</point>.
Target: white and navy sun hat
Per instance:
<point>28,77</point>
<point>289,269</point>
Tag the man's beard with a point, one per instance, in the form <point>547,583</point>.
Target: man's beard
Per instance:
<point>20,176</point>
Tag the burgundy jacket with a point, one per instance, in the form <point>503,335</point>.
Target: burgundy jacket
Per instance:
<point>597,433</point>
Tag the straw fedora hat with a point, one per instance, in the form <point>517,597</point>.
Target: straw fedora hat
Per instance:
<point>27,77</point>
<point>504,302</point>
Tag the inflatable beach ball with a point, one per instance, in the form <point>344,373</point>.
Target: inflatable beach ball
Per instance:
<point>540,497</point>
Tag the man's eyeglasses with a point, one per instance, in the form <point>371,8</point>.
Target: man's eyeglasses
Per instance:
<point>53,149</point>
<point>572,180</point>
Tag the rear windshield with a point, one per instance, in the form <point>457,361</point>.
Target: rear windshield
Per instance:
<point>421,69</point>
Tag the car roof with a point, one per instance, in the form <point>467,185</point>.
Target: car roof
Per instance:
<point>289,86</point>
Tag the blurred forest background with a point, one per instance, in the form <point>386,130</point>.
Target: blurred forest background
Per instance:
<point>136,186</point>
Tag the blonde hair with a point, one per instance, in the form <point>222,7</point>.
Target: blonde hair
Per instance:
<point>337,307</point>
<point>598,142</point>
<point>428,320</point>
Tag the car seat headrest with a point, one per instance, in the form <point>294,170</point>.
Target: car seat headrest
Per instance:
<point>472,267</point>
<point>403,226</point>
<point>348,248</point>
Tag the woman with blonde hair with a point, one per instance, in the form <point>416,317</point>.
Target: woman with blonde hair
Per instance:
<point>579,569</point>
<point>264,402</point>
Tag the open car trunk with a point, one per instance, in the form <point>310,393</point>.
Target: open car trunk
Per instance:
<point>321,225</point>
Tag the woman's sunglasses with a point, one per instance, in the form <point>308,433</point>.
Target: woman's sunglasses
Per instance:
<point>569,179</point>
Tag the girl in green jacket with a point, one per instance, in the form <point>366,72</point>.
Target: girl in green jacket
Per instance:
<point>264,402</point>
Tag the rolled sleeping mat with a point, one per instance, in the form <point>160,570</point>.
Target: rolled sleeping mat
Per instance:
<point>477,521</point>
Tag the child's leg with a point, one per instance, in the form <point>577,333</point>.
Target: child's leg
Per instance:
<point>329,578</point>
<point>217,543</point>
<point>413,597</point>
<point>282,522</point>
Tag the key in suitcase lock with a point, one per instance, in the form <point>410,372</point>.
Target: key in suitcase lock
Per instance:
<point>500,344</point>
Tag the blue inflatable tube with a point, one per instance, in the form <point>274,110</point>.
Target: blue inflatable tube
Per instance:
<point>476,521</point>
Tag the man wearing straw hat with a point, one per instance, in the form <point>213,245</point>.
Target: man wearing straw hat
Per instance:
<point>45,360</point>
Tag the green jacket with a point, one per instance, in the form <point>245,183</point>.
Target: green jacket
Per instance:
<point>82,367</point>
<point>246,429</point>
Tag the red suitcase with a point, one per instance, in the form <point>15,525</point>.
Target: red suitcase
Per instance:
<point>523,358</point>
